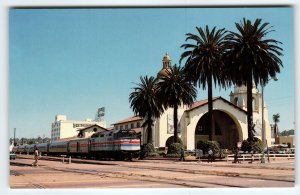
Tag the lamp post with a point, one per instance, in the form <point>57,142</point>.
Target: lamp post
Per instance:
<point>263,132</point>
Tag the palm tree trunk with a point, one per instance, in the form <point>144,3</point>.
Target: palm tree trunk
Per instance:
<point>175,120</point>
<point>275,132</point>
<point>249,107</point>
<point>210,110</point>
<point>149,129</point>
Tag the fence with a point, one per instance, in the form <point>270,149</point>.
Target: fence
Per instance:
<point>253,157</point>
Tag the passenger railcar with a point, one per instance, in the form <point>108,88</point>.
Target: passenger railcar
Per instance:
<point>30,148</point>
<point>43,148</point>
<point>117,144</point>
<point>58,148</point>
<point>21,149</point>
<point>79,147</point>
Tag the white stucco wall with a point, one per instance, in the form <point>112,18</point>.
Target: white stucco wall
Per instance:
<point>64,129</point>
<point>161,126</point>
<point>193,116</point>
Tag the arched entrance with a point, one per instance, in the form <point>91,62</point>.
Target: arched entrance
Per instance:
<point>226,131</point>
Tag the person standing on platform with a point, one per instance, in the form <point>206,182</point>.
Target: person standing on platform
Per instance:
<point>210,155</point>
<point>36,157</point>
<point>182,155</point>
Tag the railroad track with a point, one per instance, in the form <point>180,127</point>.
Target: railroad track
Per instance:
<point>180,170</point>
<point>108,162</point>
<point>30,180</point>
<point>133,176</point>
<point>146,178</point>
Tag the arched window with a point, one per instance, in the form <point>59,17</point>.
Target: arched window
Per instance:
<point>235,101</point>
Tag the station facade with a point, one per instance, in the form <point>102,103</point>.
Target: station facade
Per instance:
<point>230,119</point>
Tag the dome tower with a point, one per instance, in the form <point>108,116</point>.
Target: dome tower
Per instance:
<point>166,66</point>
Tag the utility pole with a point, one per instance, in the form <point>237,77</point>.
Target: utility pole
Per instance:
<point>263,131</point>
<point>15,137</point>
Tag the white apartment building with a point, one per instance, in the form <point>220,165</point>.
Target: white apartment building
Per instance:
<point>63,128</point>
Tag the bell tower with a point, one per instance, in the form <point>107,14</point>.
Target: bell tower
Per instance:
<point>239,98</point>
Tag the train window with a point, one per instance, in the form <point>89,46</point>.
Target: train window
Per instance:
<point>127,134</point>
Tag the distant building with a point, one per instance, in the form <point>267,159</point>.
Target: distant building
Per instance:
<point>132,123</point>
<point>273,138</point>
<point>63,128</point>
<point>90,130</point>
<point>287,140</point>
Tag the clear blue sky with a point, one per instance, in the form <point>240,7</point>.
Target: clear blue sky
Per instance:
<point>73,61</point>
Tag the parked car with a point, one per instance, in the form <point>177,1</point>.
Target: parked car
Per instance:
<point>12,156</point>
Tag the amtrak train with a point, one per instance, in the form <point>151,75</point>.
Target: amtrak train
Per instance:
<point>116,144</point>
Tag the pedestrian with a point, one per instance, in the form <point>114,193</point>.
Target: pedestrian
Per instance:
<point>182,155</point>
<point>199,154</point>
<point>236,155</point>
<point>36,157</point>
<point>210,155</point>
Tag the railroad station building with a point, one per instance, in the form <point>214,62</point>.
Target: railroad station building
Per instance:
<point>230,119</point>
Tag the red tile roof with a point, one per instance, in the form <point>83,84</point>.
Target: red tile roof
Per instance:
<point>92,126</point>
<point>200,103</point>
<point>130,119</point>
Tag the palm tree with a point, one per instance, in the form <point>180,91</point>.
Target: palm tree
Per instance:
<point>276,120</point>
<point>204,63</point>
<point>144,103</point>
<point>174,90</point>
<point>252,58</point>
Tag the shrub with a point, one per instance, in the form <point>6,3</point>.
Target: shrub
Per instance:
<point>255,146</point>
<point>170,140</point>
<point>205,145</point>
<point>199,144</point>
<point>161,153</point>
<point>153,154</point>
<point>175,148</point>
<point>148,148</point>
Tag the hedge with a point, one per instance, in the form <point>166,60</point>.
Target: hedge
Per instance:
<point>255,146</point>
